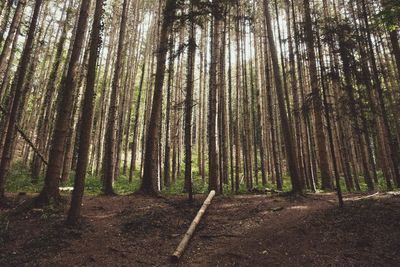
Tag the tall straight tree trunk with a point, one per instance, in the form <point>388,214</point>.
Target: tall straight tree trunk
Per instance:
<point>213,168</point>
<point>259,121</point>
<point>230,110</point>
<point>329,126</point>
<point>393,147</point>
<point>104,94</point>
<point>237,100</point>
<point>222,117</point>
<point>282,63</point>
<point>309,155</point>
<point>295,92</point>
<point>5,81</point>
<point>287,135</point>
<point>110,135</point>
<point>6,49</point>
<point>353,106</point>
<point>274,144</point>
<point>150,169</point>
<point>167,152</point>
<point>6,15</point>
<point>203,125</point>
<point>50,190</point>
<point>393,36</point>
<point>44,117</point>
<point>246,132</point>
<point>18,86</point>
<point>254,125</point>
<point>135,124</point>
<point>317,103</point>
<point>189,103</point>
<point>87,117</point>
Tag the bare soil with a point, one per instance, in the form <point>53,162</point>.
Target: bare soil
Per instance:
<point>247,230</point>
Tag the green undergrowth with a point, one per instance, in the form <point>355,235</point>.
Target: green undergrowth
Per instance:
<point>380,186</point>
<point>19,180</point>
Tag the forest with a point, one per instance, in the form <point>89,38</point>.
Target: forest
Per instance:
<point>120,119</point>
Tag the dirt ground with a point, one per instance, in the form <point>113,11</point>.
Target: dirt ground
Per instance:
<point>247,230</point>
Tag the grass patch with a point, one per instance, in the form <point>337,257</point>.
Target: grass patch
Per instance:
<point>4,226</point>
<point>19,180</point>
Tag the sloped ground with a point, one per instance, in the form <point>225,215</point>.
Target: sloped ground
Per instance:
<point>248,230</point>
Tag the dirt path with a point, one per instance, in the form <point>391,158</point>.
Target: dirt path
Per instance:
<point>238,231</point>
<point>234,226</point>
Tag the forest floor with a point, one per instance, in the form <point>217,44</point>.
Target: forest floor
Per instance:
<point>246,230</point>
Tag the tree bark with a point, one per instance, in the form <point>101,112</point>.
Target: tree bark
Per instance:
<point>150,169</point>
<point>50,190</point>
<point>213,168</point>
<point>18,86</point>
<point>317,102</point>
<point>289,144</point>
<point>189,103</point>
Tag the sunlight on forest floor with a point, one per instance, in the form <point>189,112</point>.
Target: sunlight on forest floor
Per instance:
<point>298,208</point>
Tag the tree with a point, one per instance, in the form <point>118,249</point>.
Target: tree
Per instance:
<point>150,169</point>
<point>213,168</point>
<point>289,144</point>
<point>109,144</point>
<point>317,102</point>
<point>45,112</point>
<point>18,91</point>
<point>50,191</point>
<point>15,24</point>
<point>87,117</point>
<point>189,102</point>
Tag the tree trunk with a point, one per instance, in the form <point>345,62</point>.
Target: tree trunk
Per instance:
<point>6,49</point>
<point>189,103</point>
<point>317,103</point>
<point>110,135</point>
<point>289,144</point>
<point>213,168</point>
<point>87,114</point>
<point>50,190</point>
<point>18,86</point>
<point>150,169</point>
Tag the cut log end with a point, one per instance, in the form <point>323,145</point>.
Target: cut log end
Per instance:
<point>174,258</point>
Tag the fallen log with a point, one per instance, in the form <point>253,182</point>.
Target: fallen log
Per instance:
<point>220,235</point>
<point>362,197</point>
<point>265,190</point>
<point>188,235</point>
